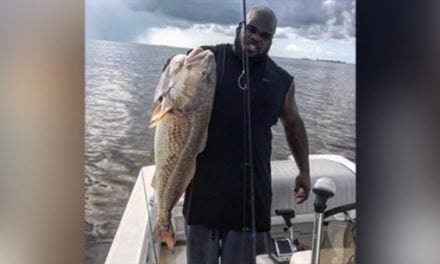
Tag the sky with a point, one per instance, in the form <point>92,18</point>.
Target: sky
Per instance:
<point>314,29</point>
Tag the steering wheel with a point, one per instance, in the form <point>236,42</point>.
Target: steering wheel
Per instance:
<point>340,209</point>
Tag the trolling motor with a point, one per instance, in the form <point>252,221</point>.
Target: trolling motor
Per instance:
<point>283,247</point>
<point>324,188</point>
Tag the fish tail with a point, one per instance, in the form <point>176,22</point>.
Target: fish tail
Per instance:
<point>164,232</point>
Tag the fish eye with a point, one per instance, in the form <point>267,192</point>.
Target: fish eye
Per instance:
<point>203,73</point>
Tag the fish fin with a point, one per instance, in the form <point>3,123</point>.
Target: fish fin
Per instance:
<point>159,112</point>
<point>165,233</point>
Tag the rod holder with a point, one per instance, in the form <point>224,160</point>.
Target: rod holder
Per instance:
<point>324,189</point>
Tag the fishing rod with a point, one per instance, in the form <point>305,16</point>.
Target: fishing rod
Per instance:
<point>248,150</point>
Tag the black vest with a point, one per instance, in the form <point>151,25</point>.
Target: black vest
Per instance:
<point>215,196</point>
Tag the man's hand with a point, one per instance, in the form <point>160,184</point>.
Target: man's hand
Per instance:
<point>302,187</point>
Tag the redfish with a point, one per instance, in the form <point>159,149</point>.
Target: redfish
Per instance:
<point>185,95</point>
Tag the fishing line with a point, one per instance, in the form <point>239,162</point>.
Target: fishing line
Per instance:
<point>248,155</point>
<point>244,230</point>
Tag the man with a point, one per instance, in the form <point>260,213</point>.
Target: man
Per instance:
<point>217,207</point>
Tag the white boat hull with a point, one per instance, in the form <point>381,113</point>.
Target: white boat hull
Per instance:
<point>133,243</point>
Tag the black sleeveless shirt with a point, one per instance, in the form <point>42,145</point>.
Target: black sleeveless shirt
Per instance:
<point>215,196</point>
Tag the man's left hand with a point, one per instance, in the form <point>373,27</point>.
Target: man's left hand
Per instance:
<point>302,187</point>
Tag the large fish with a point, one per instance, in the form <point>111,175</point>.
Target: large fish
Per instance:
<point>185,94</point>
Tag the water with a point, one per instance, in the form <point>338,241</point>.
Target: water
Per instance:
<point>120,83</point>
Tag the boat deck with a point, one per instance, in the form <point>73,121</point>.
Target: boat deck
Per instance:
<point>133,242</point>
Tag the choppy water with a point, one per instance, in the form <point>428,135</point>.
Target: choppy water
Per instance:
<point>120,83</point>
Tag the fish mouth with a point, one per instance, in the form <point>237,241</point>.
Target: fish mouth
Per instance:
<point>207,58</point>
<point>201,56</point>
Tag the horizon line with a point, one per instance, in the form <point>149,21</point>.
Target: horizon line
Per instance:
<point>178,47</point>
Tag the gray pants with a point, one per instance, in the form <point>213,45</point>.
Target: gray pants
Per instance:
<point>207,246</point>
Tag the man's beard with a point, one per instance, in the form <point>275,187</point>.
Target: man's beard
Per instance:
<point>258,58</point>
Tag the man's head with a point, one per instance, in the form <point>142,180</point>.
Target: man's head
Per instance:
<point>261,26</point>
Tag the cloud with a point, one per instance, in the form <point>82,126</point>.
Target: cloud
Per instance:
<point>296,48</point>
<point>285,32</point>
<point>317,19</point>
<point>197,11</point>
<point>113,20</point>
<point>327,16</point>
<point>196,35</point>
<point>186,22</point>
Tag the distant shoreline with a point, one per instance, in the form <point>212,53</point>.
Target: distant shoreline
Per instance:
<point>322,60</point>
<point>185,48</point>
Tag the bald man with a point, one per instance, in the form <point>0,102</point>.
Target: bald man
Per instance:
<point>217,207</point>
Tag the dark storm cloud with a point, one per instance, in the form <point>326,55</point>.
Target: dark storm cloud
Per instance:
<point>316,18</point>
<point>197,11</point>
<point>310,18</point>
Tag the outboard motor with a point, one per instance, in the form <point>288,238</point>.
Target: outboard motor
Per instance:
<point>324,188</point>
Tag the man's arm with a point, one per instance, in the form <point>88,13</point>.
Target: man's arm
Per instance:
<point>297,140</point>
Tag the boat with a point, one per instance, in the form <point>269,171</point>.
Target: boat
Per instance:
<point>133,242</point>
